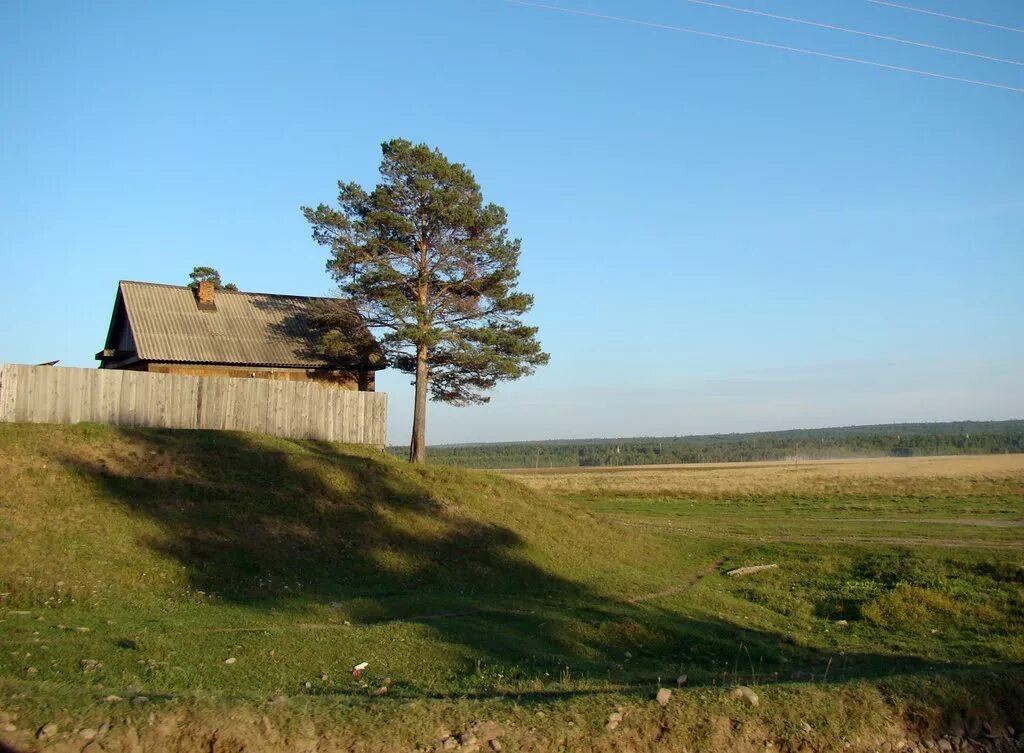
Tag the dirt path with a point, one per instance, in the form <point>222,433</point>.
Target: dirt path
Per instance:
<point>982,522</point>
<point>693,581</point>
<point>909,541</point>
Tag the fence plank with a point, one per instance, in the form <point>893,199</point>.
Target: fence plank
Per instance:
<point>7,390</point>
<point>47,394</point>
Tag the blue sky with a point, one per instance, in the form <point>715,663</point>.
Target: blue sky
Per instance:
<point>720,237</point>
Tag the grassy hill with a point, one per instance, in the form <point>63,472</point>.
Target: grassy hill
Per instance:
<point>205,576</point>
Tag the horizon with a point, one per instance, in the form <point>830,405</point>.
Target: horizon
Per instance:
<point>721,237</point>
<point>652,437</point>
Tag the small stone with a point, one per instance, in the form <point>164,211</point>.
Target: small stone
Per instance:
<point>487,731</point>
<point>90,665</point>
<point>46,731</point>
<point>467,738</point>
<point>87,734</point>
<point>449,743</point>
<point>230,660</point>
<point>113,699</point>
<point>945,746</point>
<point>841,623</point>
<point>663,697</point>
<point>8,727</point>
<point>140,699</point>
<point>495,745</point>
<point>807,728</point>
<point>31,671</point>
<point>82,630</point>
<point>745,694</point>
<point>611,726</point>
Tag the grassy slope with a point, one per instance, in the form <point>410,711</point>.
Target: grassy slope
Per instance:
<point>160,554</point>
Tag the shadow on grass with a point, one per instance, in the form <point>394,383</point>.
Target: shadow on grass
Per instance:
<point>273,524</point>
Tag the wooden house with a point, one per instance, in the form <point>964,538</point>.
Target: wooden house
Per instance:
<point>171,329</point>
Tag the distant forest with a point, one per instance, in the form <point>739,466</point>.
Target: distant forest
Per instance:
<point>882,440</point>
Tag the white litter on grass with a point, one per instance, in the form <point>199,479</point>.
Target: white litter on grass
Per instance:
<point>358,669</point>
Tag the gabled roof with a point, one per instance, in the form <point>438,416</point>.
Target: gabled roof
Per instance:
<point>253,329</point>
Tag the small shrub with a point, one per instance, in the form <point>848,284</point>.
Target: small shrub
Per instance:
<point>911,606</point>
<point>900,568</point>
<point>847,598</point>
<point>1001,572</point>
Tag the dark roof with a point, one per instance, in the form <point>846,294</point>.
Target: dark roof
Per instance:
<point>252,329</point>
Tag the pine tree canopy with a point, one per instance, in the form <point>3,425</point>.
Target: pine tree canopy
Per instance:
<point>425,262</point>
<point>208,274</point>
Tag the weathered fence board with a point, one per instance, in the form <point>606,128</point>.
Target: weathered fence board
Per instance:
<point>304,410</point>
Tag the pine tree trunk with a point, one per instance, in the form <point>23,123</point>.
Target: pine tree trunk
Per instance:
<point>418,445</point>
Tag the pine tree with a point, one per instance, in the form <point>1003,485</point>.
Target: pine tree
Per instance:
<point>424,261</point>
<point>208,274</point>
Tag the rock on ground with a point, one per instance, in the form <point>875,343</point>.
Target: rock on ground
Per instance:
<point>744,693</point>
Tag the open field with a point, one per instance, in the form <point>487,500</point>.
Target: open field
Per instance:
<point>778,476</point>
<point>973,502</point>
<point>176,589</point>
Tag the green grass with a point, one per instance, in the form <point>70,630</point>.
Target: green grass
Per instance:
<point>136,562</point>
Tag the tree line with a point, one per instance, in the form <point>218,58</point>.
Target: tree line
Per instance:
<point>879,440</point>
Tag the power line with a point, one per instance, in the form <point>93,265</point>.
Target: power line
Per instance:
<point>759,43</point>
<point>979,22</point>
<point>846,30</point>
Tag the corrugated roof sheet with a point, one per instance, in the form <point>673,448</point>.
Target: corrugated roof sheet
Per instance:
<point>247,328</point>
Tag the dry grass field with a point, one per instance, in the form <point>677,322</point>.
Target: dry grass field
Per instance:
<point>923,474</point>
<point>972,502</point>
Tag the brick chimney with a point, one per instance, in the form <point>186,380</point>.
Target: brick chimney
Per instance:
<point>205,297</point>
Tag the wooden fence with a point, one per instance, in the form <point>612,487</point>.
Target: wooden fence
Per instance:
<point>301,410</point>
